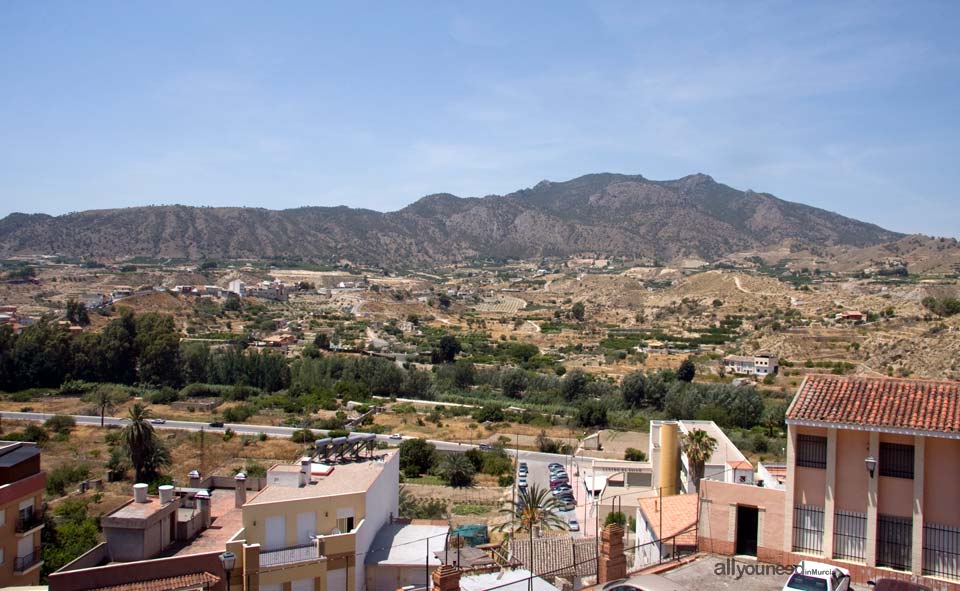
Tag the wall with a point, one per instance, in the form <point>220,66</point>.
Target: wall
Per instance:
<point>894,495</point>
<point>941,481</point>
<point>852,476</point>
<point>718,511</point>
<point>325,508</point>
<point>116,574</point>
<point>11,496</point>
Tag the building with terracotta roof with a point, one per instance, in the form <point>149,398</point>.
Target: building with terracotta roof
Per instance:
<point>872,484</point>
<point>665,525</point>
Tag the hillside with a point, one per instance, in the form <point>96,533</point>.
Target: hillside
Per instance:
<point>605,214</point>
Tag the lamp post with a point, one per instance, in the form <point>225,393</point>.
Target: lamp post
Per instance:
<point>871,463</point>
<point>227,561</point>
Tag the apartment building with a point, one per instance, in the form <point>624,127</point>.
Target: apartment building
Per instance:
<point>21,496</point>
<point>671,467</point>
<point>872,484</point>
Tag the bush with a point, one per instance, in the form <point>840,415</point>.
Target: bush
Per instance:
<point>615,517</point>
<point>165,395</point>
<point>303,436</point>
<point>505,480</point>
<point>62,477</point>
<point>60,424</point>
<point>239,413</point>
<point>34,433</point>
<point>633,454</point>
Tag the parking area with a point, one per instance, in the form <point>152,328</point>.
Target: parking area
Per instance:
<point>713,573</point>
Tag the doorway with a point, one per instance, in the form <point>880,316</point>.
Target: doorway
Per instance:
<point>746,538</point>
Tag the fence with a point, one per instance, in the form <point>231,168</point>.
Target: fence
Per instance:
<point>657,552</point>
<point>850,535</point>
<point>941,551</point>
<point>808,529</point>
<point>894,541</point>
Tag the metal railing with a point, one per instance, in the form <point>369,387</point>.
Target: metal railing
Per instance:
<point>894,541</point>
<point>290,555</point>
<point>850,535</point>
<point>22,563</point>
<point>941,551</point>
<point>27,522</point>
<point>658,552</point>
<point>808,529</point>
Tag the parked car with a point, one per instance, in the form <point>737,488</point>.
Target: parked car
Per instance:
<point>817,576</point>
<point>158,421</point>
<point>574,525</point>
<point>522,483</point>
<point>523,465</point>
<point>562,488</point>
<point>895,585</point>
<point>555,481</point>
<point>396,436</point>
<point>554,466</point>
<point>644,583</point>
<point>217,424</point>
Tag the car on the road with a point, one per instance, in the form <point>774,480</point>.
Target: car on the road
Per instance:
<point>895,585</point>
<point>643,583</point>
<point>817,576</point>
<point>485,447</point>
<point>396,436</point>
<point>158,421</point>
<point>574,525</point>
<point>217,424</point>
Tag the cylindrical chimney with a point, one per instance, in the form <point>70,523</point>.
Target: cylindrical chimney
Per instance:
<point>669,470</point>
<point>194,476</point>
<point>203,504</point>
<point>305,468</point>
<point>239,489</point>
<point>140,493</point>
<point>166,494</point>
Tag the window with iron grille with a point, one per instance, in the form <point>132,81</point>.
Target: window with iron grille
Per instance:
<point>812,451</point>
<point>849,535</point>
<point>894,541</point>
<point>941,551</point>
<point>896,460</point>
<point>808,529</point>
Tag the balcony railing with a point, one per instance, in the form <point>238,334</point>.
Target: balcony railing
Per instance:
<point>301,553</point>
<point>22,563</point>
<point>28,522</point>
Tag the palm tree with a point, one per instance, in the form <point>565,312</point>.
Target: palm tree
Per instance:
<point>456,470</point>
<point>147,453</point>
<point>104,398</point>
<point>698,447</point>
<point>534,507</point>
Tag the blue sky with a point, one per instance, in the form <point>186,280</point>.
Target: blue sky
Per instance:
<point>848,106</point>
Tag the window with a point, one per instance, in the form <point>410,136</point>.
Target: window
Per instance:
<point>812,451</point>
<point>894,541</point>
<point>896,460</point>
<point>345,524</point>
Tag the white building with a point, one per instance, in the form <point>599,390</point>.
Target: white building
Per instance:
<point>726,464</point>
<point>752,365</point>
<point>237,287</point>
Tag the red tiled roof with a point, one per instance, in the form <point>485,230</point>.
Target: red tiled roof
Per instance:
<point>679,517</point>
<point>191,581</point>
<point>925,405</point>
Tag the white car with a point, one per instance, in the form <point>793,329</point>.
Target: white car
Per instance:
<point>817,576</point>
<point>574,525</point>
<point>396,436</point>
<point>158,421</point>
<point>522,483</point>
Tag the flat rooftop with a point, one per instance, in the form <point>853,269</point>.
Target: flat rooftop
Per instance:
<point>408,545</point>
<point>135,510</point>
<point>347,478</point>
<point>225,522</point>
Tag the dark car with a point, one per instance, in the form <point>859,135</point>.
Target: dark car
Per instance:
<point>555,481</point>
<point>485,446</point>
<point>217,424</point>
<point>895,585</point>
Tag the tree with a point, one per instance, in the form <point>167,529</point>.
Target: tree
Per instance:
<point>446,350</point>
<point>592,413</point>
<point>77,312</point>
<point>633,454</point>
<point>456,470</point>
<point>416,456</point>
<point>147,453</point>
<point>698,447</point>
<point>635,390</point>
<point>444,301</point>
<point>774,416</point>
<point>578,311</point>
<point>513,383</point>
<point>573,385</point>
<point>104,398</point>
<point>322,341</point>
<point>534,507</point>
<point>686,371</point>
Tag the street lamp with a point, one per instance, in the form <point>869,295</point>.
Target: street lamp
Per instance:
<point>871,463</point>
<point>227,561</point>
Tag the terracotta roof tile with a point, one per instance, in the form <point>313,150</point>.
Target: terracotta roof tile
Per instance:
<point>926,405</point>
<point>190,581</point>
<point>679,517</point>
<point>555,555</point>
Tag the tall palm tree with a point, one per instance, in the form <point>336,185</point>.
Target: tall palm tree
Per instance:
<point>698,447</point>
<point>456,469</point>
<point>146,452</point>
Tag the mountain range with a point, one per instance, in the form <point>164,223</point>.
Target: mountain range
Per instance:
<point>600,214</point>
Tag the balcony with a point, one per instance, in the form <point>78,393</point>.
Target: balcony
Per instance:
<point>28,523</point>
<point>290,555</point>
<point>24,563</point>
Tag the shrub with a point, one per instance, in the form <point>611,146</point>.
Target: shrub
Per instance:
<point>61,424</point>
<point>62,477</point>
<point>303,436</point>
<point>634,455</point>
<point>615,517</point>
